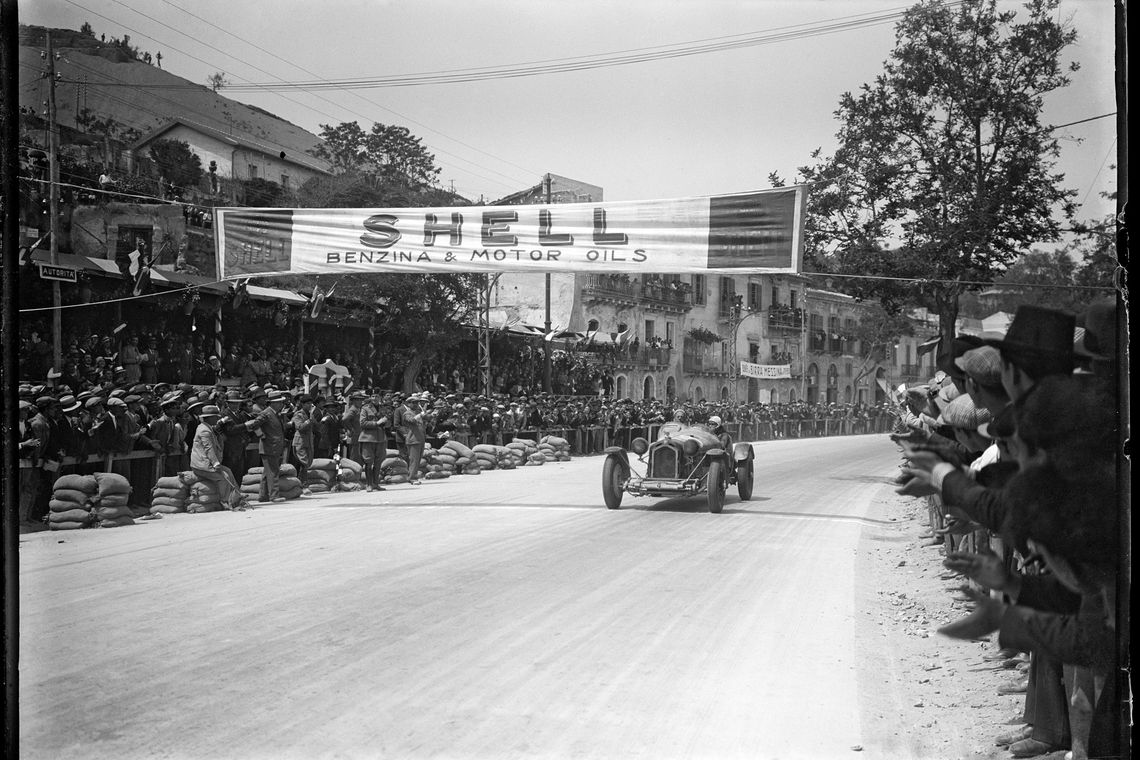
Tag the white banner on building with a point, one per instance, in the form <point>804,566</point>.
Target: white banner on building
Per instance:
<point>746,232</point>
<point>766,371</point>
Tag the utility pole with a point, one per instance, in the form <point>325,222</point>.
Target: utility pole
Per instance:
<point>548,341</point>
<point>53,210</point>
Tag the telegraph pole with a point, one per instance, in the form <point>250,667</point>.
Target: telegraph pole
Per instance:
<point>548,341</point>
<point>53,210</point>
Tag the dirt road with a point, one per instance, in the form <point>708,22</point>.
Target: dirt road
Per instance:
<point>507,615</point>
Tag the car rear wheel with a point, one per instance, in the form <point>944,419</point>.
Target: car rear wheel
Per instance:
<point>717,485</point>
<point>614,476</point>
<point>744,480</point>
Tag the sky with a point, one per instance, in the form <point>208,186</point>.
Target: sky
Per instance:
<point>704,124</point>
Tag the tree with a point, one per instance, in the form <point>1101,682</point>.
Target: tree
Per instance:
<point>393,154</point>
<point>943,172</point>
<point>178,164</point>
<point>217,80</point>
<point>262,192</point>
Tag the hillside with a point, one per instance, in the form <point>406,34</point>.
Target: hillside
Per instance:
<point>107,81</point>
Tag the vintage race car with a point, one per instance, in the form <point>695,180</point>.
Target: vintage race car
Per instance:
<point>684,460</point>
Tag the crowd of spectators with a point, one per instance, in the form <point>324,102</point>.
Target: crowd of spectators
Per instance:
<point>1015,446</point>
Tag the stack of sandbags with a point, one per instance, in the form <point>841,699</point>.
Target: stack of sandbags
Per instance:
<point>486,456</point>
<point>349,475</point>
<point>112,501</point>
<point>321,476</point>
<point>288,483</point>
<point>559,446</point>
<point>169,495</point>
<point>434,465</point>
<point>393,468</point>
<point>518,450</point>
<point>532,455</point>
<point>204,497</point>
<point>71,500</point>
<point>507,458</point>
<point>465,460</point>
<point>445,459</point>
<point>251,483</point>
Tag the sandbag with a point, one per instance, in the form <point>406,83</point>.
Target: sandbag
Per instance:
<point>67,525</point>
<point>445,458</point>
<point>166,509</point>
<point>457,448</point>
<point>169,493</point>
<point>172,481</point>
<point>348,464</point>
<point>71,515</point>
<point>251,480</point>
<point>114,500</point>
<point>483,448</point>
<point>393,462</point>
<point>396,479</point>
<point>112,482</point>
<point>56,505</point>
<point>355,486</point>
<point>188,477</point>
<point>117,522</point>
<point>163,501</point>
<point>255,471</point>
<point>437,475</point>
<point>70,494</point>
<point>555,441</point>
<point>63,505</point>
<point>323,477</point>
<point>318,488</point>
<point>287,471</point>
<point>203,487</point>
<point>348,476</point>
<point>196,509</point>
<point>112,513</point>
<point>85,483</point>
<point>323,464</point>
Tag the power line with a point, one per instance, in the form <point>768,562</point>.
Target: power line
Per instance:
<point>935,280</point>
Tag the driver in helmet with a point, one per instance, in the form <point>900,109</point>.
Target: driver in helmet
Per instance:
<point>716,427</point>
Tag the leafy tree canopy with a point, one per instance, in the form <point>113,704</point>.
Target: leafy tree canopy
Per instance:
<point>181,166</point>
<point>389,152</point>
<point>944,171</point>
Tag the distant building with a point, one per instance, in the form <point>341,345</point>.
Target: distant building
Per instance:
<point>682,336</point>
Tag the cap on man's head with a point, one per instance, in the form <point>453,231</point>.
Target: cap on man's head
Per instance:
<point>132,399</point>
<point>714,420</point>
<point>210,411</point>
<point>982,365</point>
<point>25,405</point>
<point>116,403</point>
<point>44,402</point>
<point>277,397</point>
<point>93,402</point>
<point>962,413</point>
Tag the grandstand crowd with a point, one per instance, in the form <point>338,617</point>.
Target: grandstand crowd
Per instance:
<point>1015,446</point>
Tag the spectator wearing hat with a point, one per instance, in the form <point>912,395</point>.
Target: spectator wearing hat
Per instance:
<point>373,441</point>
<point>166,430</point>
<point>45,457</point>
<point>410,422</point>
<point>206,458</point>
<point>326,428</point>
<point>350,424</point>
<point>73,437</point>
<point>303,434</point>
<point>267,425</point>
<point>232,430</point>
<point>1039,343</point>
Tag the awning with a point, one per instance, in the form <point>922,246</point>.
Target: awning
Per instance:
<point>167,277</point>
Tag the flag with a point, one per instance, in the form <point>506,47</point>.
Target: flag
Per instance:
<point>929,345</point>
<point>622,336</point>
<point>142,279</point>
<point>317,301</point>
<point>241,292</point>
<point>553,332</point>
<point>511,319</point>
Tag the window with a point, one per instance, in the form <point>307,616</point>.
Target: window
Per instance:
<point>754,296</point>
<point>754,353</point>
<point>670,332</point>
<point>699,289</point>
<point>727,294</point>
<point>650,330</point>
<point>775,295</point>
<point>253,171</point>
<point>285,182</point>
<point>794,299</point>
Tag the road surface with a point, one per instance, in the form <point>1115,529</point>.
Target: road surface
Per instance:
<point>506,615</point>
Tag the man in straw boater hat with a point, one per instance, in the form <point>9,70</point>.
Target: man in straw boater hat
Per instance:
<point>270,429</point>
<point>206,458</point>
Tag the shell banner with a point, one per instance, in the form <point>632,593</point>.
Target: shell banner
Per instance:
<point>759,232</point>
<point>766,371</point>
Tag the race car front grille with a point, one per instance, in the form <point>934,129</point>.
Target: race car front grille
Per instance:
<point>663,463</point>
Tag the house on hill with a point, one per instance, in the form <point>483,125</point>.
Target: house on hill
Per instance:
<point>236,156</point>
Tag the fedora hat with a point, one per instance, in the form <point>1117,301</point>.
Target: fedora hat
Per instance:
<point>277,397</point>
<point>1097,332</point>
<point>1039,334</point>
<point>210,411</point>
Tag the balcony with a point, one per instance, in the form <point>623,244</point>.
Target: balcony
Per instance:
<point>610,288</point>
<point>697,364</point>
<point>646,358</point>
<point>781,317</point>
<point>666,297</point>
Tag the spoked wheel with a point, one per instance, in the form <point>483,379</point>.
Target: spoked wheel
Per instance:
<point>744,480</point>
<point>717,484</point>
<point>614,476</point>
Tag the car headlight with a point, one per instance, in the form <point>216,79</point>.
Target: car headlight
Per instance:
<point>639,446</point>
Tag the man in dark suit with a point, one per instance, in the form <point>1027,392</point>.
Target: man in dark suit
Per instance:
<point>271,445</point>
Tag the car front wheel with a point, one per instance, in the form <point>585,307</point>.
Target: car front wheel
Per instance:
<point>614,476</point>
<point>717,484</point>
<point>744,480</point>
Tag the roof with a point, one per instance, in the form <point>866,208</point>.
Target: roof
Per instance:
<point>298,158</point>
